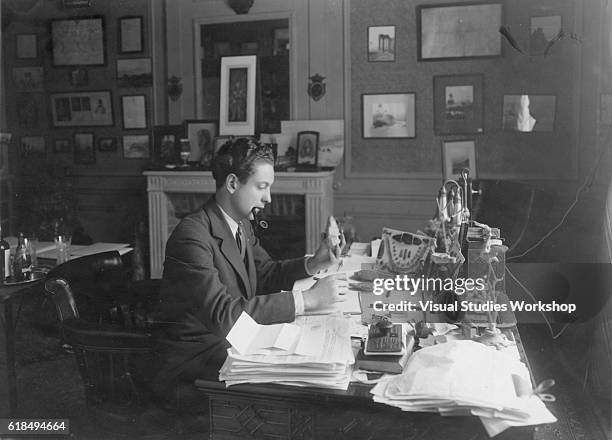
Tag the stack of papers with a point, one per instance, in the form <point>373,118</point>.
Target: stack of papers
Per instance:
<point>466,377</point>
<point>313,352</point>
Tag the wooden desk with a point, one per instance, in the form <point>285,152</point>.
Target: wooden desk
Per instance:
<point>285,412</point>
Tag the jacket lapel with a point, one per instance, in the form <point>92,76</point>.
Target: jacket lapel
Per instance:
<point>220,230</point>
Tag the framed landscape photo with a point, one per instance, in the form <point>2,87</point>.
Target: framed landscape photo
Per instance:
<point>33,146</point>
<point>237,100</point>
<point>528,113</point>
<point>78,41</point>
<point>166,146</point>
<point>75,109</point>
<point>28,78</point>
<point>62,146</point>
<point>388,115</point>
<point>26,46</point>
<point>134,111</point>
<point>201,135</point>
<point>131,39</point>
<point>136,146</point>
<point>84,151</point>
<point>458,104</point>
<point>381,43</point>
<point>134,72</point>
<point>542,30</point>
<point>307,149</point>
<point>457,155</point>
<point>460,30</point>
<point>107,144</point>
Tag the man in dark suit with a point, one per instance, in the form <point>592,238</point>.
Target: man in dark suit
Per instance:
<point>215,268</point>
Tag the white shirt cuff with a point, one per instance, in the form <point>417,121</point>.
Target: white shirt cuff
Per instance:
<point>298,299</point>
<point>306,265</point>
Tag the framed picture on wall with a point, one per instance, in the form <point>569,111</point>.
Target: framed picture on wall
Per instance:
<point>388,115</point>
<point>26,46</point>
<point>131,36</point>
<point>528,113</point>
<point>62,146</point>
<point>33,146</point>
<point>134,72</point>
<point>542,31</point>
<point>307,148</point>
<point>107,144</point>
<point>458,104</point>
<point>166,146</point>
<point>458,155</point>
<point>381,43</point>
<point>134,111</point>
<point>78,41</point>
<point>75,109</point>
<point>28,78</point>
<point>453,31</point>
<point>237,101</point>
<point>136,146</point>
<point>201,135</point>
<point>84,151</point>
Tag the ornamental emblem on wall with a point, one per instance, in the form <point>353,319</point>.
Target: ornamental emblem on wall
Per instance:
<point>316,87</point>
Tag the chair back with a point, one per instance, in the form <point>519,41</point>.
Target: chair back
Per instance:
<point>60,293</point>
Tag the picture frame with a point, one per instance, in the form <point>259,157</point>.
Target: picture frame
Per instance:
<point>80,109</point>
<point>131,34</point>
<point>26,46</point>
<point>166,144</point>
<point>458,104</point>
<point>457,155</point>
<point>388,115</point>
<point>78,77</point>
<point>76,3</point>
<point>32,146</point>
<point>29,109</point>
<point>201,135</point>
<point>136,146</point>
<point>307,149</point>
<point>542,30</point>
<point>63,145</point>
<point>78,41</point>
<point>134,72</point>
<point>381,44</point>
<point>84,151</point>
<point>134,112</point>
<point>107,144</point>
<point>529,112</point>
<point>28,79</point>
<point>237,99</point>
<point>459,31</point>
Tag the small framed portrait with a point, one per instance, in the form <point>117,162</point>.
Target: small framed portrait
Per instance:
<point>27,46</point>
<point>458,104</point>
<point>307,148</point>
<point>458,155</point>
<point>201,134</point>
<point>62,146</point>
<point>166,146</point>
<point>28,78</point>
<point>237,99</point>
<point>136,146</point>
<point>78,77</point>
<point>134,110</point>
<point>542,31</point>
<point>381,43</point>
<point>33,146</point>
<point>528,113</point>
<point>131,35</point>
<point>107,144</point>
<point>388,115</point>
<point>134,72</point>
<point>84,152</point>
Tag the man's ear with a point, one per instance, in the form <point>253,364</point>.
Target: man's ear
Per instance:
<point>231,183</point>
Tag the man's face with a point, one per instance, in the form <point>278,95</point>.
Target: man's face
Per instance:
<point>255,192</point>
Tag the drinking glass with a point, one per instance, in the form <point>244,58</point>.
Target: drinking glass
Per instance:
<point>31,243</point>
<point>185,151</point>
<point>62,247</point>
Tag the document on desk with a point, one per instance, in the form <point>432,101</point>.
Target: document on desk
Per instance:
<point>350,298</point>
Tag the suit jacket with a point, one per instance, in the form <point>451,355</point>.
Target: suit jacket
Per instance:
<point>206,285</point>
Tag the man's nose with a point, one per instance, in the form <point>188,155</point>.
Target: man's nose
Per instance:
<point>267,197</point>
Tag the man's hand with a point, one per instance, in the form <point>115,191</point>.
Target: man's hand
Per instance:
<point>324,292</point>
<point>327,255</point>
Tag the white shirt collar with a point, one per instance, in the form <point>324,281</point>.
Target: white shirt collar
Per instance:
<point>233,225</point>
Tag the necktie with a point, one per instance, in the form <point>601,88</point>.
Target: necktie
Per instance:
<point>239,239</point>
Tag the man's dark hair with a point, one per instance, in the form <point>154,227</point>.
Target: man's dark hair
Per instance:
<point>238,156</point>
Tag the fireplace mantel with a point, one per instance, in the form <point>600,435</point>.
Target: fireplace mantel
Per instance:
<point>316,187</point>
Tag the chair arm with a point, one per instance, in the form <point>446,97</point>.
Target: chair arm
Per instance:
<point>106,337</point>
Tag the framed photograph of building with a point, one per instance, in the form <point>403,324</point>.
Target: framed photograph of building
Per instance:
<point>388,115</point>
<point>458,104</point>
<point>134,111</point>
<point>528,113</point>
<point>307,148</point>
<point>79,109</point>
<point>381,43</point>
<point>201,134</point>
<point>542,31</point>
<point>136,146</point>
<point>84,151</point>
<point>457,155</point>
<point>78,41</point>
<point>131,36</point>
<point>237,100</point>
<point>460,30</point>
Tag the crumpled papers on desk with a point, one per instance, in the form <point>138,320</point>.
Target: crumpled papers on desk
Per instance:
<point>460,377</point>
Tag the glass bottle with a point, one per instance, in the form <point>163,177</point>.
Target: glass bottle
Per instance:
<point>22,264</point>
<point>5,258</point>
